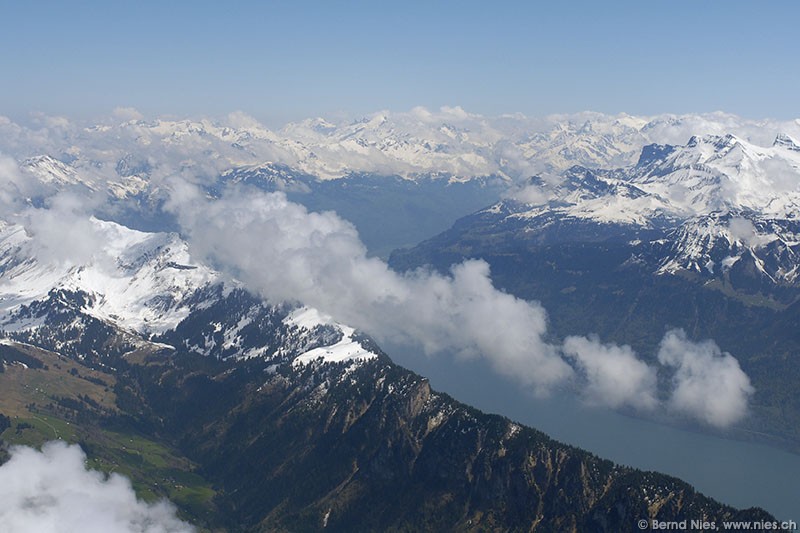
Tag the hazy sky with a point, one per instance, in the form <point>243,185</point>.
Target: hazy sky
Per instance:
<point>287,60</point>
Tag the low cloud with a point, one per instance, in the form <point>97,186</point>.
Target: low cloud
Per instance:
<point>63,232</point>
<point>127,113</point>
<point>615,376</point>
<point>284,252</point>
<point>531,194</point>
<point>743,230</point>
<point>13,189</point>
<point>708,384</point>
<point>52,491</point>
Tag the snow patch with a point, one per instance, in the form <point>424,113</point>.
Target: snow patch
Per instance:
<point>347,349</point>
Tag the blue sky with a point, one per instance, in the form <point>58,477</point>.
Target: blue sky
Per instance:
<point>286,60</point>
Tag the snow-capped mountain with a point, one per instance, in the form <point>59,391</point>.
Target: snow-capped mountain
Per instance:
<point>731,244</point>
<point>703,236</point>
<point>449,142</point>
<point>717,173</point>
<point>139,286</point>
<point>140,281</point>
<point>717,201</point>
<point>636,172</point>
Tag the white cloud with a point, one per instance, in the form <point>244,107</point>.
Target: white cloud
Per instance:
<point>52,491</point>
<point>282,251</point>
<point>63,231</point>
<point>286,253</point>
<point>241,120</point>
<point>454,113</point>
<point>127,113</point>
<point>780,174</point>
<point>422,114</point>
<point>13,188</point>
<point>615,376</point>
<point>745,231</point>
<point>708,384</point>
<point>531,194</point>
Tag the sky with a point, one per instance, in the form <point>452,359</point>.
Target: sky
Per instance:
<point>281,61</point>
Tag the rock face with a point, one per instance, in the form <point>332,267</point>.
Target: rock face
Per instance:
<point>373,448</point>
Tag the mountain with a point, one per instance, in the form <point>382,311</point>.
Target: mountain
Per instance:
<point>272,416</point>
<point>422,169</point>
<point>701,236</point>
<point>450,142</point>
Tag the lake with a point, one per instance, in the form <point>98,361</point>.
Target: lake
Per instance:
<point>741,474</point>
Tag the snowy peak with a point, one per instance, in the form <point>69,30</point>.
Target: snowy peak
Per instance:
<point>420,141</point>
<point>587,195</point>
<point>718,173</point>
<point>346,349</point>
<point>268,176</point>
<point>785,141</point>
<point>653,154</point>
<point>50,171</point>
<point>735,247</point>
<point>139,281</point>
<point>140,285</point>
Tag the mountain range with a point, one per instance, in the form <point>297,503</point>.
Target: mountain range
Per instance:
<point>286,419</point>
<point>701,236</point>
<point>278,416</point>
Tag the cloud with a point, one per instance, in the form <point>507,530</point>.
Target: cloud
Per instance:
<point>241,120</point>
<point>530,194</point>
<point>779,174</point>
<point>708,384</point>
<point>13,188</point>
<point>63,232</point>
<point>52,491</point>
<point>51,122</point>
<point>615,376</point>
<point>284,252</point>
<point>745,231</point>
<point>127,113</point>
<point>58,220</point>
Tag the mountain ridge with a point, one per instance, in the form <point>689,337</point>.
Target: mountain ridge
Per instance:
<point>262,394</point>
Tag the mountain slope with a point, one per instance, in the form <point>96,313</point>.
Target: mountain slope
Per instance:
<point>374,449</point>
<point>300,422</point>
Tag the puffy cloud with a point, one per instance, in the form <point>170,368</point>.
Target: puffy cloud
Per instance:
<point>284,252</point>
<point>281,250</point>
<point>422,114</point>
<point>779,174</point>
<point>241,120</point>
<point>52,491</point>
<point>62,231</point>
<point>708,385</point>
<point>13,187</point>
<point>530,194</point>
<point>745,231</point>
<point>59,221</point>
<point>52,122</point>
<point>615,376</point>
<point>454,113</point>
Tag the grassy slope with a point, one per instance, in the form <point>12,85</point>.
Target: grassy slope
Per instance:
<point>30,397</point>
